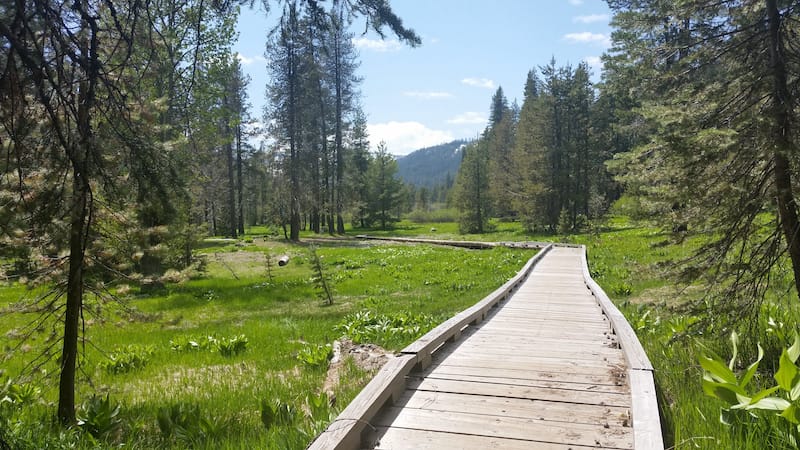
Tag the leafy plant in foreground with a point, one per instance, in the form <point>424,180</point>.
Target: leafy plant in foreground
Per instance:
<point>315,355</point>
<point>232,346</point>
<point>185,423</point>
<point>99,416</point>
<point>783,399</point>
<point>277,413</point>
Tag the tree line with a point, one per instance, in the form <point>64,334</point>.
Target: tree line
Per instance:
<point>122,126</point>
<point>541,163</point>
<point>693,124</point>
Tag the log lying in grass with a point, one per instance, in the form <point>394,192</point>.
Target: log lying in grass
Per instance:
<point>283,260</point>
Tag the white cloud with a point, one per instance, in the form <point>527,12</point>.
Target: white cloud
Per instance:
<point>479,82</point>
<point>575,2</point>
<point>587,37</point>
<point>378,45</point>
<point>591,18</point>
<point>246,60</point>
<point>468,118</point>
<point>428,95</point>
<point>403,138</point>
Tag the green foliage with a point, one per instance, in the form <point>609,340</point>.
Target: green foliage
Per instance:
<point>277,413</point>
<point>232,346</point>
<point>185,343</point>
<point>186,424</point>
<point>18,395</point>
<point>316,356</point>
<point>99,416</point>
<point>187,367</point>
<point>367,327</point>
<point>741,404</point>
<point>226,346</point>
<point>128,358</point>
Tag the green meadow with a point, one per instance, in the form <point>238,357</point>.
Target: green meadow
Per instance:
<point>235,354</point>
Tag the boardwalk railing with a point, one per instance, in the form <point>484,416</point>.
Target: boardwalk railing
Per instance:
<point>644,410</point>
<point>354,423</point>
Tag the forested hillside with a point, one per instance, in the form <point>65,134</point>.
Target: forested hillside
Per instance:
<point>431,166</point>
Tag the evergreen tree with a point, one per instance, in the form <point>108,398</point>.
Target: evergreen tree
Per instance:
<point>472,189</point>
<point>719,91</point>
<point>386,189</point>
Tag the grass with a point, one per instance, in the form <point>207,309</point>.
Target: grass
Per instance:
<point>377,287</point>
<point>281,318</point>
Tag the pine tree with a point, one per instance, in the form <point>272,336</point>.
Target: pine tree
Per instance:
<point>472,189</point>
<point>719,94</point>
<point>385,187</point>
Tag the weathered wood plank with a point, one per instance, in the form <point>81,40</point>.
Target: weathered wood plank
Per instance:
<point>646,420</point>
<point>527,392</point>
<point>607,377</point>
<point>508,427</point>
<point>403,438</point>
<point>637,358</point>
<point>542,364</point>
<point>516,407</point>
<point>549,383</point>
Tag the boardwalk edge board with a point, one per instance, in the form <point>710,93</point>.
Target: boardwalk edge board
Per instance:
<point>644,411</point>
<point>345,432</point>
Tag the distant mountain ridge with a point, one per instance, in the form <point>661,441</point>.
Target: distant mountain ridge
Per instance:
<point>430,166</point>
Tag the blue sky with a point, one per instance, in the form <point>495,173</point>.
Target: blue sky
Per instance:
<point>440,91</point>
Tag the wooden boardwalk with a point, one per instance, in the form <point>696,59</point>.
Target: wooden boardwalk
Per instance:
<point>545,362</point>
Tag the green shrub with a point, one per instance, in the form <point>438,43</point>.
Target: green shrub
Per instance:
<point>232,346</point>
<point>128,358</point>
<point>99,416</point>
<point>315,355</point>
<point>365,326</point>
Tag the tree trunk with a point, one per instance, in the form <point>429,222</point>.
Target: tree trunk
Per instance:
<point>232,217</point>
<point>79,214</point>
<point>239,181</point>
<point>782,143</point>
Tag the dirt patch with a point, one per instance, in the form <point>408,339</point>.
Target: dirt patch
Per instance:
<point>368,357</point>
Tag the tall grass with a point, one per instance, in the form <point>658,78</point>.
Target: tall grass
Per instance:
<point>176,388</point>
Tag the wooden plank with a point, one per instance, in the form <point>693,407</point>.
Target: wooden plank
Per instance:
<point>549,383</point>
<point>544,365</point>
<point>386,386</point>
<point>526,374</point>
<point>613,416</point>
<point>528,392</point>
<point>644,411</point>
<point>604,341</point>
<point>402,438</point>
<point>544,360</point>
<point>613,356</point>
<point>507,427</point>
